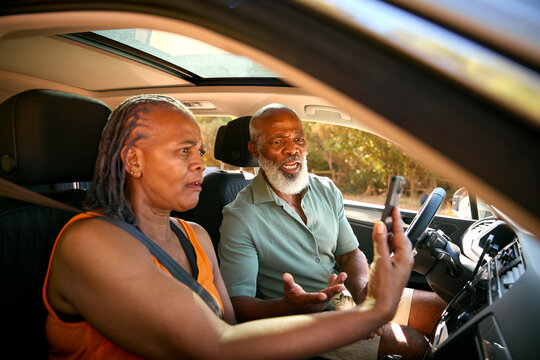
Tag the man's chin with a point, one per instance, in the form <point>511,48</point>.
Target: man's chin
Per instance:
<point>285,181</point>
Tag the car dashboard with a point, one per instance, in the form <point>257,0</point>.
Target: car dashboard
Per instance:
<point>496,314</point>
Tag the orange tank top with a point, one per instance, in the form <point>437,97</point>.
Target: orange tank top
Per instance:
<point>79,340</point>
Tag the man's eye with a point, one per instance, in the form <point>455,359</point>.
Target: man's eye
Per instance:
<point>276,142</point>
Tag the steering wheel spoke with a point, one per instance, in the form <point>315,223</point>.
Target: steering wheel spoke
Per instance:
<point>425,215</point>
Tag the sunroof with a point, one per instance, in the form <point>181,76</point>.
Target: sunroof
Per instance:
<point>193,55</point>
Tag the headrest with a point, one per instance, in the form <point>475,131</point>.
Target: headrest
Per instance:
<point>232,143</point>
<point>49,137</point>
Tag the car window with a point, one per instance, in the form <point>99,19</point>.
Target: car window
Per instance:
<point>361,165</point>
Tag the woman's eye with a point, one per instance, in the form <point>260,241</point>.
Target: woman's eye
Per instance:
<point>202,152</point>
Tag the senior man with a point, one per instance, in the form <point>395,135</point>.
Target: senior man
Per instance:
<point>285,235</point>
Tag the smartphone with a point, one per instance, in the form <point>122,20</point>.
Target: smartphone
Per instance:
<point>392,198</point>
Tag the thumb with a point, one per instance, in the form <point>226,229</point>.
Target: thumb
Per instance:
<point>380,239</point>
<point>288,283</point>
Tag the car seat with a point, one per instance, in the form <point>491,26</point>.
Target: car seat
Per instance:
<point>219,188</point>
<point>46,137</point>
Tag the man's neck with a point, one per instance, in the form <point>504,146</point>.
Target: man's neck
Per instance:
<point>294,200</point>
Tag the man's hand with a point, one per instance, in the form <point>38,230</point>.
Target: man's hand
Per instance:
<point>304,302</point>
<point>389,274</point>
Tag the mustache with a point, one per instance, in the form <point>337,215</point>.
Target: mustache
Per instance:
<point>291,158</point>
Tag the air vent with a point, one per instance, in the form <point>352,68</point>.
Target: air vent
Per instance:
<point>480,228</point>
<point>510,266</point>
<point>481,225</point>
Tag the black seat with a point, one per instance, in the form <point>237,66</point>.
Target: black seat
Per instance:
<point>219,188</point>
<point>46,137</point>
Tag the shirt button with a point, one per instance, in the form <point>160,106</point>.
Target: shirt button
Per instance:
<point>317,260</point>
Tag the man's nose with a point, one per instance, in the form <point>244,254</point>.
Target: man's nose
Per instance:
<point>291,148</point>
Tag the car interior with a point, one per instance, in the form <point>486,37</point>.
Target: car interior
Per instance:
<point>62,72</point>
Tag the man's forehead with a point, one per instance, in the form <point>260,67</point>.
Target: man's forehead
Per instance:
<point>281,121</point>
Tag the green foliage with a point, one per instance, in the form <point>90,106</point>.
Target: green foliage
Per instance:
<point>209,127</point>
<point>362,163</point>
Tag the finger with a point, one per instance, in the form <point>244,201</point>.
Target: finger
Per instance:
<point>397,222</point>
<point>289,286</point>
<point>332,279</point>
<point>342,276</point>
<point>312,298</point>
<point>333,290</point>
<point>399,239</point>
<point>336,279</point>
<point>380,240</point>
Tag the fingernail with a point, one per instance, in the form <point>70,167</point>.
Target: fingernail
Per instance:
<point>379,227</point>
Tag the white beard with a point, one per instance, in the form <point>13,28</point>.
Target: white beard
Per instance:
<point>285,183</point>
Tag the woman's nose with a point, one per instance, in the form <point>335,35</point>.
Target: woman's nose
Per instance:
<point>198,163</point>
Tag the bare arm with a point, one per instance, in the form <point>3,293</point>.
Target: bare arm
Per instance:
<point>103,273</point>
<point>354,263</point>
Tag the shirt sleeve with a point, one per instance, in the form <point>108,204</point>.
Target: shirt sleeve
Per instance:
<point>346,241</point>
<point>239,262</point>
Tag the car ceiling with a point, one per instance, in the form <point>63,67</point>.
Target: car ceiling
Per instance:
<point>69,65</point>
<point>74,64</point>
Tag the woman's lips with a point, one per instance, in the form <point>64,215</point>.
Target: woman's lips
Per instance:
<point>195,185</point>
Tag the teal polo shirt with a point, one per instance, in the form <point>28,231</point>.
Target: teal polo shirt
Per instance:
<point>262,237</point>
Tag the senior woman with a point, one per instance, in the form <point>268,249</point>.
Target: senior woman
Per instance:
<point>109,297</point>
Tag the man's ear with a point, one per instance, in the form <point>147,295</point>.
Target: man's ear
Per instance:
<point>131,159</point>
<point>252,147</point>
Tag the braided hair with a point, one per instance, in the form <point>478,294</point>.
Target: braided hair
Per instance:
<point>108,184</point>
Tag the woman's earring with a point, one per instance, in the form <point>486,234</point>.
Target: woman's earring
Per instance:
<point>131,173</point>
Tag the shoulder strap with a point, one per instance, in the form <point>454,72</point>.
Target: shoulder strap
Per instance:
<point>174,268</point>
<point>7,188</point>
<point>188,249</point>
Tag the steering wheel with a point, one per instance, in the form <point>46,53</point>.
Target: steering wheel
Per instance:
<point>425,215</point>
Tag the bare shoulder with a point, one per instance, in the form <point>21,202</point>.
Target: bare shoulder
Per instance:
<point>94,233</point>
<point>96,246</point>
<point>204,239</point>
<point>198,229</point>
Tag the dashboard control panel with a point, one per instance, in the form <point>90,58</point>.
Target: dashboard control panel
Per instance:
<point>490,283</point>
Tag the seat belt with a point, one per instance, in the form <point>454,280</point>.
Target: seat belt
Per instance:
<point>12,190</point>
<point>7,188</point>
